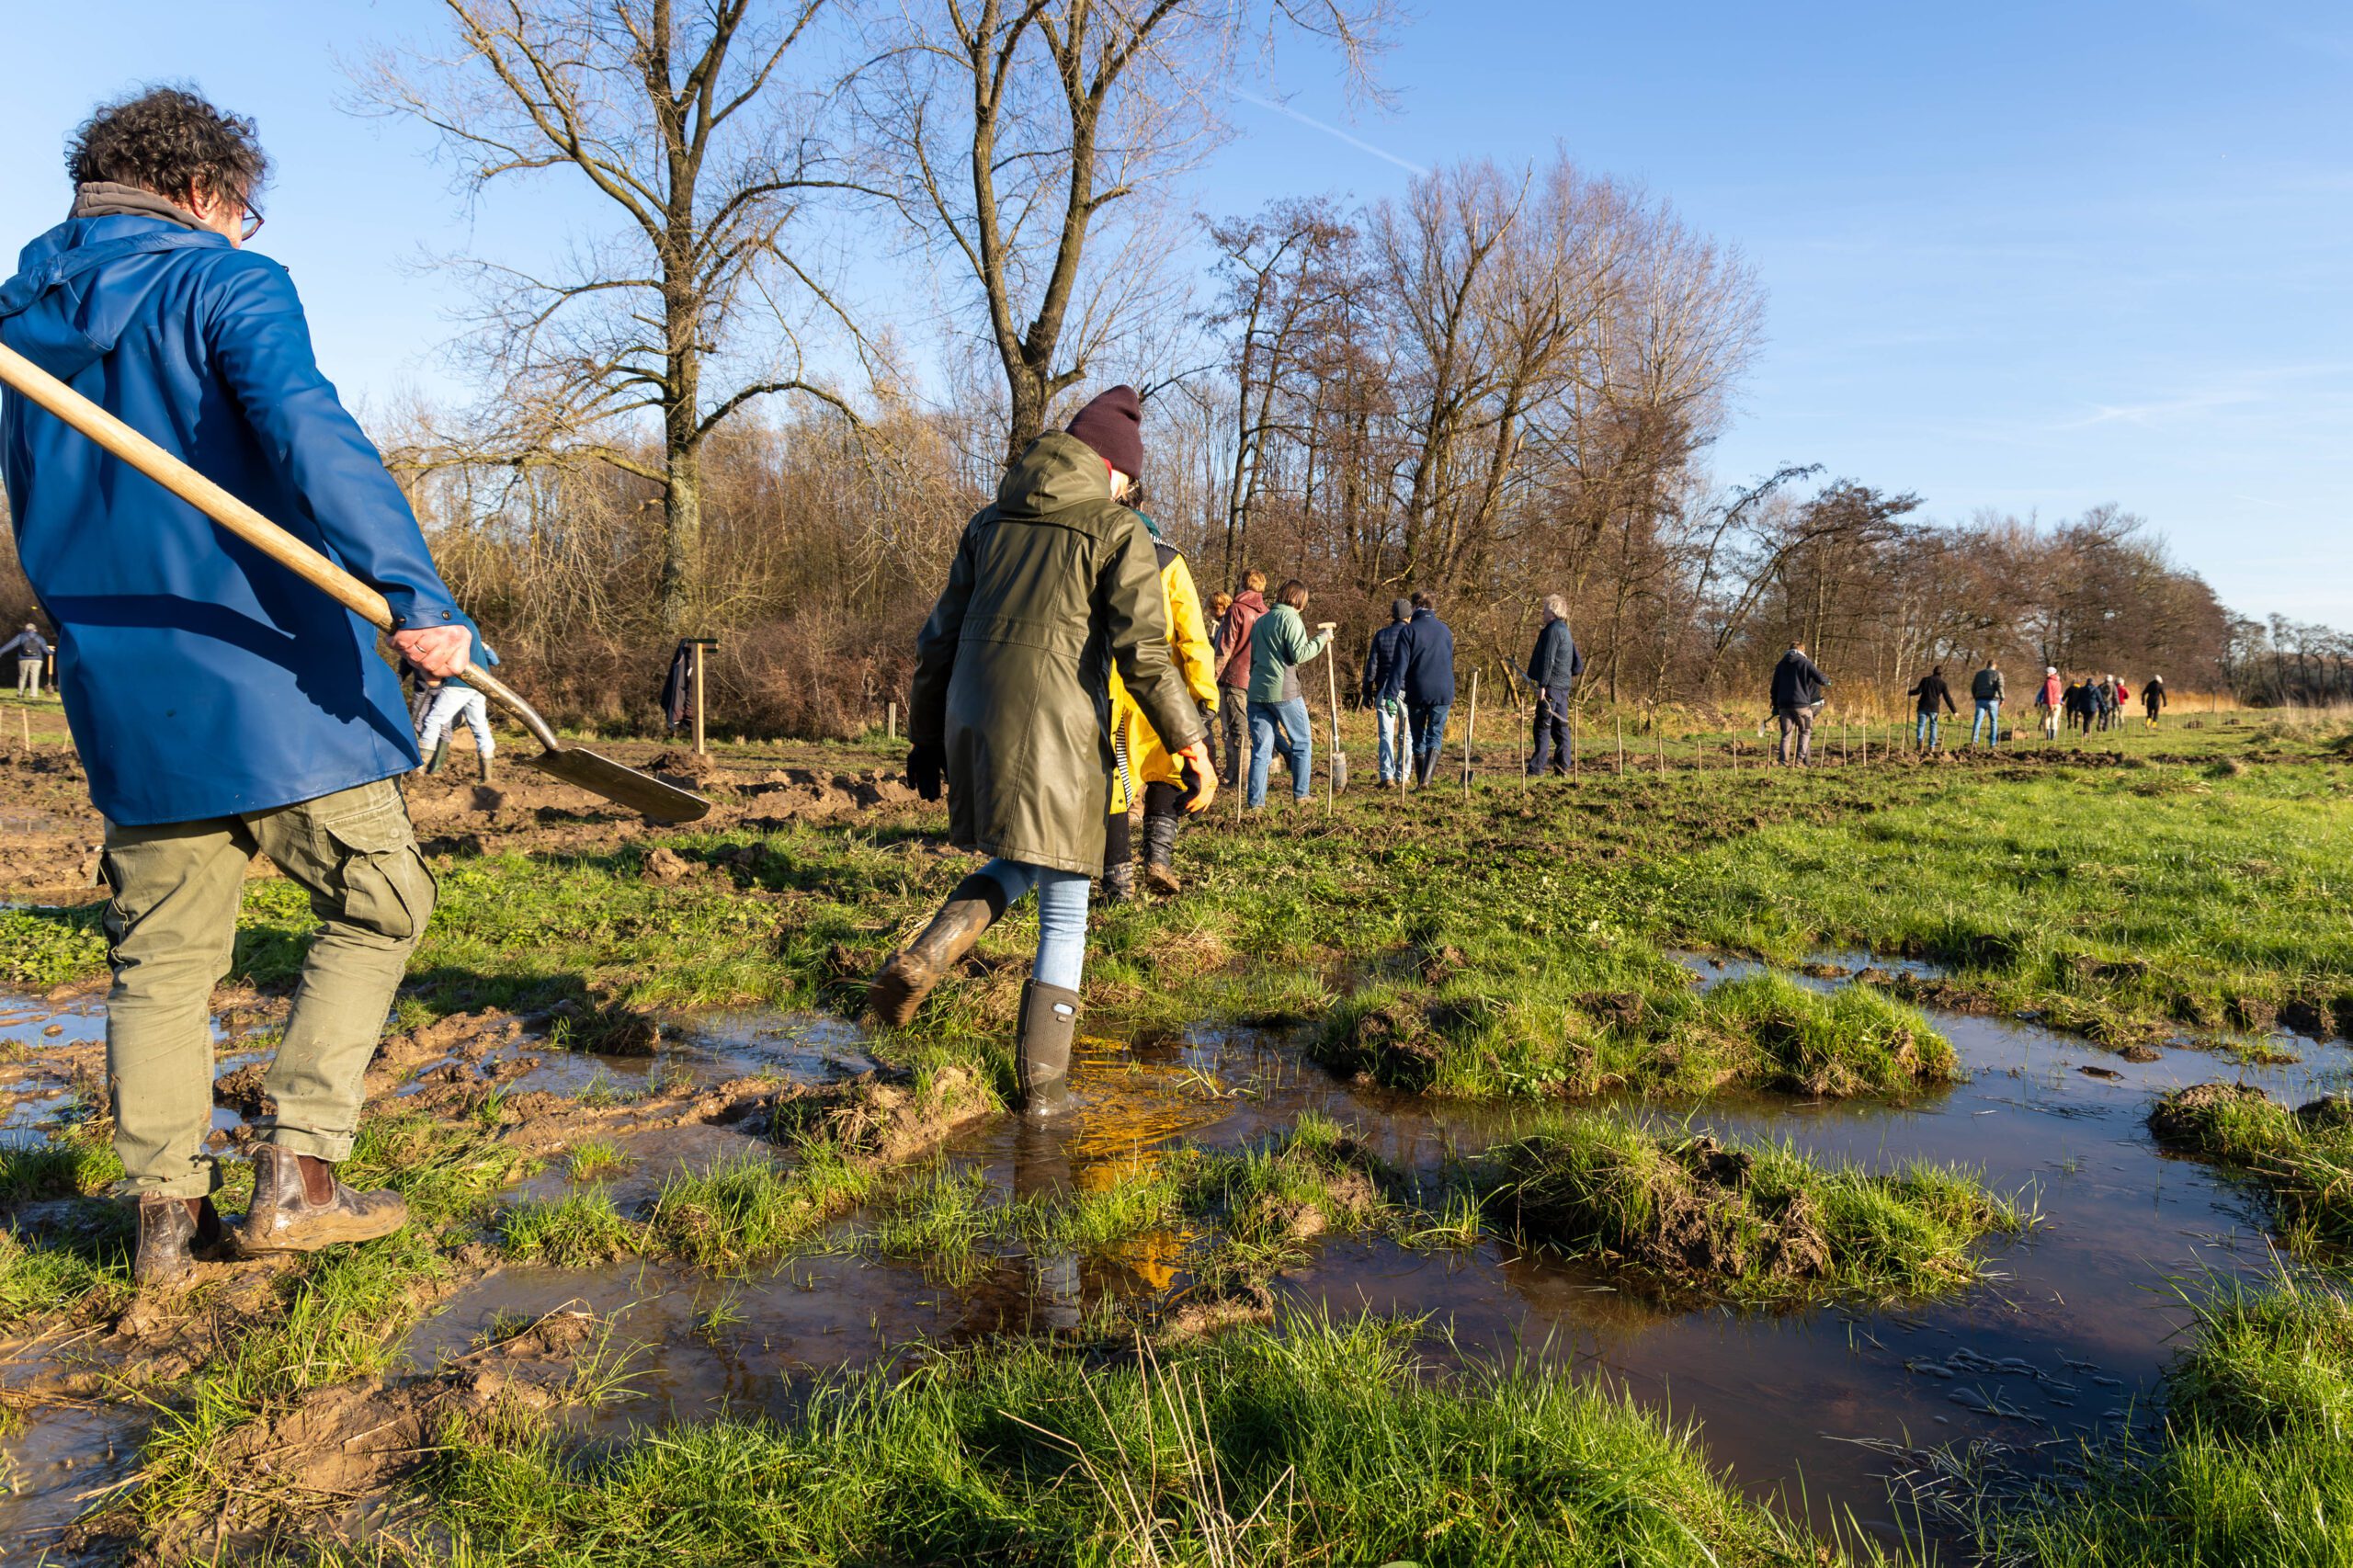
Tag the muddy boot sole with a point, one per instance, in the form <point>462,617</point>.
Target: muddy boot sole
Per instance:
<point>897,989</point>
<point>1163,880</point>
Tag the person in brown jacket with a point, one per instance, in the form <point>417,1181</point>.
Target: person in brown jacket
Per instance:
<point>1052,586</point>
<point>1234,673</point>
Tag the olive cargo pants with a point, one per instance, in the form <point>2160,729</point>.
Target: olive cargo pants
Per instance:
<point>171,928</point>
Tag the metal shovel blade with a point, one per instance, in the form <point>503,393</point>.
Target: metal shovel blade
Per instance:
<point>623,786</point>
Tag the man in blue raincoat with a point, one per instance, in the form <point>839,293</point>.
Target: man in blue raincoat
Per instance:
<point>221,705</point>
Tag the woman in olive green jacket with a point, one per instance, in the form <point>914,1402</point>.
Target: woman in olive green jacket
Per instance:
<point>1052,587</point>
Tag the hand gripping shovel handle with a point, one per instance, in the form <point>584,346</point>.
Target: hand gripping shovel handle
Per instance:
<point>585,768</point>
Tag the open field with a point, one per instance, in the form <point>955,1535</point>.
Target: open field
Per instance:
<point>1713,1164</point>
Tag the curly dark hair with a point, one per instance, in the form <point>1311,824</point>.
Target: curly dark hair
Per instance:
<point>171,141</point>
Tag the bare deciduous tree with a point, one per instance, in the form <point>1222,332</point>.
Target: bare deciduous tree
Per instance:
<point>1019,138</point>
<point>693,306</point>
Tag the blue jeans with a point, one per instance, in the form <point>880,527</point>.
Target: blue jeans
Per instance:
<point>1061,916</point>
<point>1389,713</point>
<point>1924,730</point>
<point>1989,716</point>
<point>1300,748</point>
<point>1428,721</point>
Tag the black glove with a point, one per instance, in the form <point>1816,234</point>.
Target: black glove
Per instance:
<point>926,769</point>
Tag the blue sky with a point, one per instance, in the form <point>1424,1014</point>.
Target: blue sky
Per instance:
<point>2030,256</point>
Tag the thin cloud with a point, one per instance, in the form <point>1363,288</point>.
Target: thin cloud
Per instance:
<point>1358,143</point>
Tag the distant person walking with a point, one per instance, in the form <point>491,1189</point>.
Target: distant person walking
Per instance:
<point>1389,714</point>
<point>1553,668</point>
<point>454,700</point>
<point>1424,679</point>
<point>2048,700</point>
<point>1234,627</point>
<point>32,656</point>
<point>1220,603</point>
<point>2153,699</point>
<point>1986,691</point>
<point>2082,707</point>
<point>1279,646</point>
<point>2104,702</point>
<point>1797,686</point>
<point>1932,694</point>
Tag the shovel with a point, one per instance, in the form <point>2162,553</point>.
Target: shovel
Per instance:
<point>1339,775</point>
<point>599,776</point>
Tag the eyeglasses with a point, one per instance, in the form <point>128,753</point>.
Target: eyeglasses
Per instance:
<point>249,226</point>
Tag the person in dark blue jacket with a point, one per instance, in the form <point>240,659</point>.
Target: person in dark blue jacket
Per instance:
<point>1378,660</point>
<point>1552,668</point>
<point>220,704</point>
<point>1423,677</point>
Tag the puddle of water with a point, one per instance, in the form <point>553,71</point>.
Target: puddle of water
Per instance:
<point>56,1464</point>
<point>701,1050</point>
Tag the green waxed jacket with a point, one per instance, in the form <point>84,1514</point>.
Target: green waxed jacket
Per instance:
<point>1279,642</point>
<point>1052,587</point>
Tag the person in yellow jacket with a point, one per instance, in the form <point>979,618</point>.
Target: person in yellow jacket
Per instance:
<point>1144,763</point>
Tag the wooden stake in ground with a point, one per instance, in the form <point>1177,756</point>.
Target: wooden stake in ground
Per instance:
<point>1658,733</point>
<point>891,722</point>
<point>1335,771</point>
<point>1621,745</point>
<point>24,722</point>
<point>1573,744</point>
<point>699,748</point>
<point>1469,730</point>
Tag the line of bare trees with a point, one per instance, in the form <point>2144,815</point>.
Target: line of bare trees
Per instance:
<point>704,415</point>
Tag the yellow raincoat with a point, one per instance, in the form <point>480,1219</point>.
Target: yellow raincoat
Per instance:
<point>1143,759</point>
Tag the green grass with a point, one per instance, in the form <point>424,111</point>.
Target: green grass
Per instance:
<point>1757,1222</point>
<point>576,1232</point>
<point>746,1211</point>
<point>2303,1157</point>
<point>1324,1443</point>
<point>2254,1466</point>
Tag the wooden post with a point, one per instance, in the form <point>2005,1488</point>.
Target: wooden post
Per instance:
<point>1621,745</point>
<point>25,722</point>
<point>890,721</point>
<point>1658,733</point>
<point>1573,761</point>
<point>1468,730</point>
<point>698,698</point>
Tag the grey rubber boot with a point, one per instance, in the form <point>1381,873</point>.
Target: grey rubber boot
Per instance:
<point>1159,855</point>
<point>1118,883</point>
<point>481,767</point>
<point>899,987</point>
<point>1041,1050</point>
<point>440,757</point>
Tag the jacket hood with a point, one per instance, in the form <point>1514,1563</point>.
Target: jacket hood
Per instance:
<point>52,311</point>
<point>1055,470</point>
<point>1252,598</point>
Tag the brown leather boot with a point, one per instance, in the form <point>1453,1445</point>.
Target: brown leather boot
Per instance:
<point>174,1232</point>
<point>899,987</point>
<point>299,1206</point>
<point>1041,1050</point>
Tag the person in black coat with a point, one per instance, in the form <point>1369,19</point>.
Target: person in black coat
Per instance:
<point>1378,660</point>
<point>1797,686</point>
<point>1931,692</point>
<point>1554,668</point>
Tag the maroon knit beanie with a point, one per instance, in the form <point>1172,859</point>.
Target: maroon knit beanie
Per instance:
<point>1113,426</point>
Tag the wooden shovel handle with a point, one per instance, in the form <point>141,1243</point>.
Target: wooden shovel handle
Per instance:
<point>237,517</point>
<point>193,488</point>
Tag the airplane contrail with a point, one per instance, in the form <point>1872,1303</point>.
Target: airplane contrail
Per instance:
<point>1358,143</point>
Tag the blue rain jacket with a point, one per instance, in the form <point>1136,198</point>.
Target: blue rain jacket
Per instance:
<point>202,679</point>
<point>1423,672</point>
